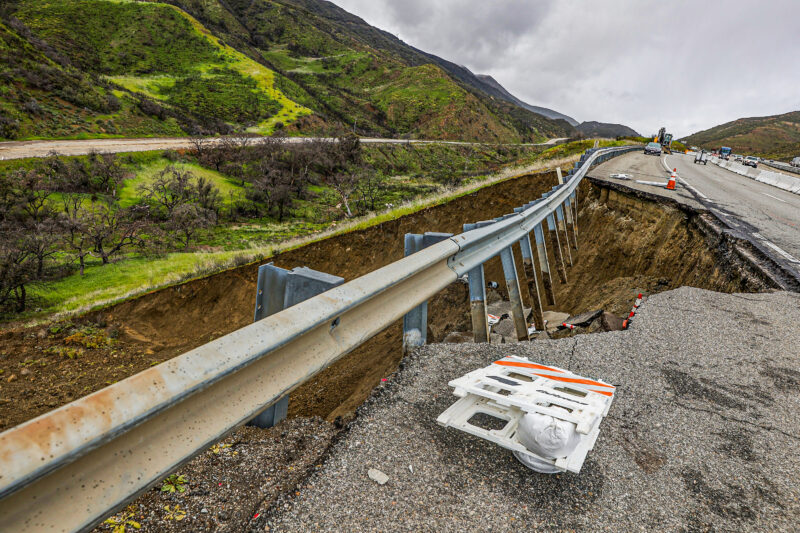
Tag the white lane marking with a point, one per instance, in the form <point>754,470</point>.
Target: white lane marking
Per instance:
<point>683,181</point>
<point>758,236</point>
<point>775,197</point>
<point>701,195</point>
<point>775,247</point>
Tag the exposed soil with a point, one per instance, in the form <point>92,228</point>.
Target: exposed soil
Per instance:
<point>227,487</point>
<point>626,245</point>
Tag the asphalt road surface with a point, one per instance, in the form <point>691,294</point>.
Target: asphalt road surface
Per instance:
<point>23,149</point>
<point>703,434</point>
<point>766,215</point>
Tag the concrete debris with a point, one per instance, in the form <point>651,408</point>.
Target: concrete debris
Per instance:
<point>494,338</point>
<point>584,319</point>
<point>499,308</point>
<point>554,319</point>
<point>506,329</point>
<point>377,476</point>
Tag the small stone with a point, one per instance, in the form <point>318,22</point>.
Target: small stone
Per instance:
<point>24,372</point>
<point>377,476</point>
<point>42,333</point>
<point>12,378</point>
<point>204,510</point>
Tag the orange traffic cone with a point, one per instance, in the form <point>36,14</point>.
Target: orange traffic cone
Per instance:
<point>671,182</point>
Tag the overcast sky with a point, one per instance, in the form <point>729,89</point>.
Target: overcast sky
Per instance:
<point>685,65</point>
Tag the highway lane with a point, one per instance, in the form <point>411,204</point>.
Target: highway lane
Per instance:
<point>764,214</point>
<point>23,149</point>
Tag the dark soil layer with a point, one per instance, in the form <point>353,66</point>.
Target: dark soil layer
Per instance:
<point>227,487</point>
<point>626,245</point>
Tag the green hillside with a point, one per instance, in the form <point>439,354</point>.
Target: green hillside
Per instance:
<point>138,68</point>
<point>160,52</point>
<point>775,137</point>
<point>43,95</point>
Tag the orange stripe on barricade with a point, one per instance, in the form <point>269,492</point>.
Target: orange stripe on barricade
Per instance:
<point>576,380</point>
<point>527,365</point>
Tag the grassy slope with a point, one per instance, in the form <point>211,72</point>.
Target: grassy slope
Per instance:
<point>236,244</point>
<point>524,121</point>
<point>162,52</point>
<point>43,96</point>
<point>129,192</point>
<point>775,137</point>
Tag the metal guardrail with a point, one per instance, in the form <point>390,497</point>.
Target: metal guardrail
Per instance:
<point>68,469</point>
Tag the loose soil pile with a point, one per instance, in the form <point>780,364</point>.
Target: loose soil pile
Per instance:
<point>626,245</point>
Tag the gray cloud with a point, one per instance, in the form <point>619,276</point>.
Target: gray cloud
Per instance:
<point>686,65</point>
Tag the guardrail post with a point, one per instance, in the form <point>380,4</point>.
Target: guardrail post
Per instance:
<point>278,289</point>
<point>571,223</point>
<point>477,299</point>
<point>544,264</point>
<point>559,258</point>
<point>415,322</point>
<point>574,202</point>
<point>562,225</point>
<point>533,282</point>
<point>514,295</point>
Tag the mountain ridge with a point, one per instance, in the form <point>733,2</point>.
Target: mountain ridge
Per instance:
<point>549,113</point>
<point>593,128</point>
<point>772,136</point>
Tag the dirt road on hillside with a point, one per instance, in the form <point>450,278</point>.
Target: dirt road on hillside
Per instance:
<point>23,149</point>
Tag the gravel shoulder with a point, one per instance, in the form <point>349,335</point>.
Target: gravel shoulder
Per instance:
<point>703,434</point>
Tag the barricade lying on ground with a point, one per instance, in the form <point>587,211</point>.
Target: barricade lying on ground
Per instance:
<point>550,416</point>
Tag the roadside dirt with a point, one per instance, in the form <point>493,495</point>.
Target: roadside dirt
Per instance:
<point>626,245</point>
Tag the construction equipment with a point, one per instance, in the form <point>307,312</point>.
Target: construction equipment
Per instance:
<point>551,416</point>
<point>665,140</point>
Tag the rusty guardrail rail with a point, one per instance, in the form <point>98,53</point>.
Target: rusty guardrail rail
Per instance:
<point>68,469</point>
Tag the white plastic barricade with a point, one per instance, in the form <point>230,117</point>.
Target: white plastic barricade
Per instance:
<point>552,416</point>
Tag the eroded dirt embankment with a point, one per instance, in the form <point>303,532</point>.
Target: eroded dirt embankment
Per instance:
<point>626,245</point>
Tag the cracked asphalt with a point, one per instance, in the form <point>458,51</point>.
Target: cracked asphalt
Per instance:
<point>703,435</point>
<point>767,216</point>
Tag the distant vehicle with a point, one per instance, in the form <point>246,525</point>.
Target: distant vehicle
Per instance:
<point>795,162</point>
<point>701,157</point>
<point>750,161</point>
<point>725,153</point>
<point>653,148</point>
<point>737,157</point>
